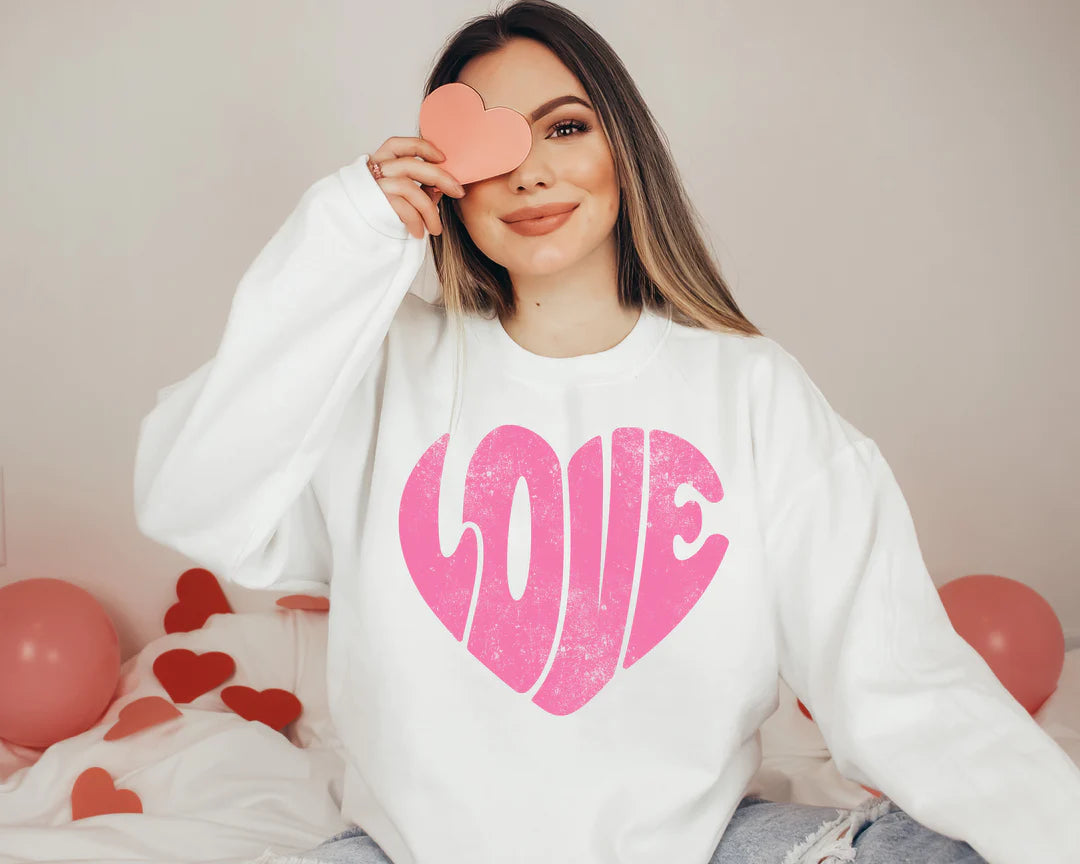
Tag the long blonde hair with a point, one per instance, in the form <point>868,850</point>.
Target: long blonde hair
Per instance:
<point>663,261</point>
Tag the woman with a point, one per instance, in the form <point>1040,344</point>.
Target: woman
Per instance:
<point>571,540</point>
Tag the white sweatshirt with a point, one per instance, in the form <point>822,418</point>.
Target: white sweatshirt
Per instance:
<point>561,589</point>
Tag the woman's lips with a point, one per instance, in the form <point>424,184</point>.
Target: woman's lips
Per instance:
<point>543,225</point>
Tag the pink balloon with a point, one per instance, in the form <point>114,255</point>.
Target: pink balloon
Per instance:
<point>59,661</point>
<point>1014,630</point>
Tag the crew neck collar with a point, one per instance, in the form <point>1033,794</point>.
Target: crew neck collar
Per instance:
<point>622,359</point>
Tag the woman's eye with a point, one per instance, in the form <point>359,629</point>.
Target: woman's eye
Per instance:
<point>579,125</point>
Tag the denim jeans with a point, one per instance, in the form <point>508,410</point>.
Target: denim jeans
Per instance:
<point>760,832</point>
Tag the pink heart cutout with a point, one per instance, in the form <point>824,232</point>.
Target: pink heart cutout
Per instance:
<point>305,601</point>
<point>478,142</point>
<point>142,714</point>
<point>94,794</point>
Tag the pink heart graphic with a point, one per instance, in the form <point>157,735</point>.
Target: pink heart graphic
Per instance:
<point>478,142</point>
<point>514,637</point>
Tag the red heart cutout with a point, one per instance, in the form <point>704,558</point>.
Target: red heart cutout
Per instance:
<point>186,675</point>
<point>95,795</point>
<point>276,708</point>
<point>305,601</point>
<point>478,142</point>
<point>142,714</point>
<point>200,596</point>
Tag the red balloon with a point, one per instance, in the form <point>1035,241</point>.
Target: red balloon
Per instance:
<point>59,661</point>
<point>1014,629</point>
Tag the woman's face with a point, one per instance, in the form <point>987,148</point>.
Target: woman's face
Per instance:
<point>570,162</point>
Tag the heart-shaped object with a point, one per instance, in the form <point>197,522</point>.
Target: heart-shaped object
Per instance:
<point>514,637</point>
<point>142,714</point>
<point>478,142</point>
<point>95,795</point>
<point>307,602</point>
<point>199,596</point>
<point>186,675</point>
<point>274,707</point>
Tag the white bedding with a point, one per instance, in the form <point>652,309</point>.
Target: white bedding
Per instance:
<point>218,789</point>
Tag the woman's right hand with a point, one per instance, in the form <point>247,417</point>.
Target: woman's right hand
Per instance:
<point>415,205</point>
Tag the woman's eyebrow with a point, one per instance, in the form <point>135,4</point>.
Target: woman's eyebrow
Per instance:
<point>552,104</point>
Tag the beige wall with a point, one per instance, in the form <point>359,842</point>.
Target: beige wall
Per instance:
<point>891,188</point>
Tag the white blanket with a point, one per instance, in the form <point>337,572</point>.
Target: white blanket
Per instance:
<point>218,789</point>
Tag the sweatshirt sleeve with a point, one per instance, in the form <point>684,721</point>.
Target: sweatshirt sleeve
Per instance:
<point>225,460</point>
<point>904,703</point>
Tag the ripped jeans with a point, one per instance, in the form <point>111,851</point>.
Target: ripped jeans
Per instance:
<point>759,832</point>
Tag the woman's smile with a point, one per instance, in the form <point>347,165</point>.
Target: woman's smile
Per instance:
<point>543,225</point>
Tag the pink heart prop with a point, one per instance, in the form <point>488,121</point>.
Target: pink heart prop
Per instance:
<point>94,794</point>
<point>478,142</point>
<point>513,637</point>
<point>305,601</point>
<point>142,714</point>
